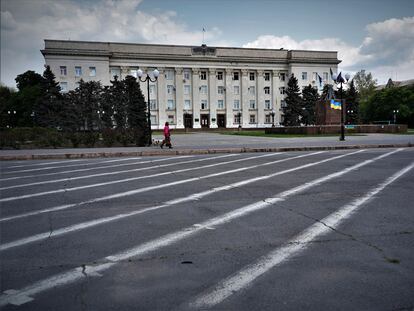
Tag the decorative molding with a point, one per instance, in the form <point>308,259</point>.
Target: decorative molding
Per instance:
<point>178,70</point>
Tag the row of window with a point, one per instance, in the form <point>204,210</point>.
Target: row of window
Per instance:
<point>204,104</point>
<point>169,75</point>
<point>220,89</point>
<point>236,119</point>
<point>315,76</point>
<point>78,71</point>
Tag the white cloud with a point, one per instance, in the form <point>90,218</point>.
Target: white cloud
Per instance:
<point>387,50</point>
<point>25,24</point>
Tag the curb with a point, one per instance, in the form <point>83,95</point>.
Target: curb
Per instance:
<point>191,152</point>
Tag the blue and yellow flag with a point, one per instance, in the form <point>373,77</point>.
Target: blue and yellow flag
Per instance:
<point>335,105</point>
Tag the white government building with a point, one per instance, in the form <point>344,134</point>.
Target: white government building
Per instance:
<point>198,86</point>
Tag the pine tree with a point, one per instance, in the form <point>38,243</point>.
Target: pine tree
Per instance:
<point>310,98</point>
<point>117,100</point>
<point>293,109</point>
<point>47,109</point>
<point>352,104</point>
<point>136,111</point>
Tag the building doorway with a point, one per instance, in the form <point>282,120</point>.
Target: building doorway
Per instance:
<point>221,120</point>
<point>205,120</point>
<point>188,121</point>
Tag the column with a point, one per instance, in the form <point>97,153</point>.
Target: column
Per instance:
<point>196,97</point>
<point>212,100</point>
<point>260,99</point>
<point>229,99</point>
<point>161,98</point>
<point>179,98</point>
<point>276,96</point>
<point>244,98</point>
<point>124,72</point>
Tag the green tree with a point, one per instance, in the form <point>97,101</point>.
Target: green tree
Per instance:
<point>293,109</point>
<point>365,85</point>
<point>310,98</point>
<point>47,108</point>
<point>352,104</point>
<point>136,111</point>
<point>6,106</point>
<point>28,79</point>
<point>117,102</point>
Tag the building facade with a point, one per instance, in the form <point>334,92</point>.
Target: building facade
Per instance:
<point>198,86</point>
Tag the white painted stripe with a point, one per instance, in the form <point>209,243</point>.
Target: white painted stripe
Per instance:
<point>62,190</point>
<point>41,164</point>
<point>62,166</point>
<point>89,224</point>
<point>74,275</point>
<point>117,172</point>
<point>175,201</point>
<point>93,168</point>
<point>243,278</point>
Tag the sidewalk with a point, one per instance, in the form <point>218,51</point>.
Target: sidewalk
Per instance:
<point>207,143</point>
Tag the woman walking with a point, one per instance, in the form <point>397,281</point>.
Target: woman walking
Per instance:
<point>167,136</point>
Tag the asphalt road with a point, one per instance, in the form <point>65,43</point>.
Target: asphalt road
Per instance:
<point>329,230</point>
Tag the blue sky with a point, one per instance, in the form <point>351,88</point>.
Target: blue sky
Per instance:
<point>374,35</point>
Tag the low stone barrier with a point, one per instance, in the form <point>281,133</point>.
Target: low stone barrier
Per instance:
<point>336,129</point>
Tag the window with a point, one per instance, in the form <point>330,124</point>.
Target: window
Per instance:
<point>268,118</point>
<point>187,104</point>
<point>283,104</point>
<point>203,89</point>
<point>78,71</point>
<point>235,76</point>
<point>92,71</point>
<point>170,89</point>
<point>304,76</point>
<point>252,90</point>
<point>170,104</point>
<point>252,104</point>
<point>187,74</point>
<point>220,89</point>
<point>171,119</point>
<point>236,90</point>
<point>220,104</point>
<point>236,104</point>
<point>186,90</point>
<point>282,77</point>
<point>251,76</point>
<point>267,104</point>
<point>267,76</point>
<point>115,72</point>
<point>252,119</point>
<point>267,90</point>
<point>152,89</point>
<point>203,75</point>
<point>153,104</point>
<point>237,118</point>
<point>63,87</point>
<point>282,90</point>
<point>169,74</point>
<point>154,120</point>
<point>204,104</point>
<point>220,75</point>
<point>133,72</point>
<point>325,76</point>
<point>63,71</point>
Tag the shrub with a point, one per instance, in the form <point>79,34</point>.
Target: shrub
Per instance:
<point>89,139</point>
<point>109,137</point>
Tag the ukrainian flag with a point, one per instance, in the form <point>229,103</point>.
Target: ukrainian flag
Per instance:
<point>335,105</point>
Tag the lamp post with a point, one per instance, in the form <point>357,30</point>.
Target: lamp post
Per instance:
<point>239,117</point>
<point>338,79</point>
<point>395,115</point>
<point>147,79</point>
<point>349,115</point>
<point>273,117</point>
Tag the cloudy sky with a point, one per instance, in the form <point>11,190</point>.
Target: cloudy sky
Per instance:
<point>376,35</point>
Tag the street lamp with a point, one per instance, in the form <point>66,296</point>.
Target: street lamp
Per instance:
<point>239,117</point>
<point>147,79</point>
<point>395,115</point>
<point>273,117</point>
<point>349,116</point>
<point>338,79</point>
